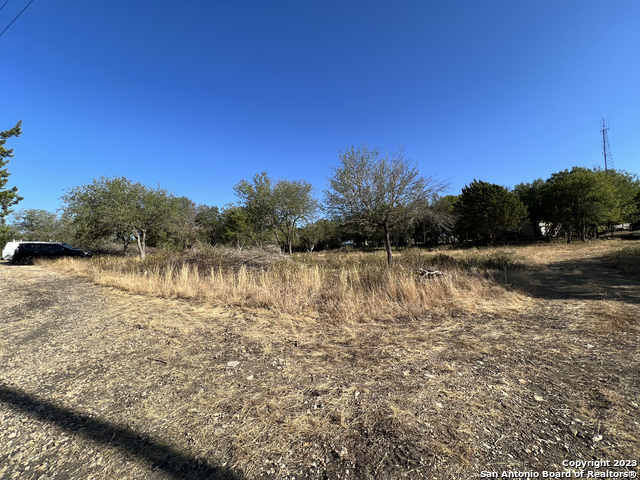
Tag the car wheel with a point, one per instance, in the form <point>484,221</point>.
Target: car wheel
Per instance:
<point>28,261</point>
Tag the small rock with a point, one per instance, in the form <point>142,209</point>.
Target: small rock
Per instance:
<point>357,394</point>
<point>250,377</point>
<point>538,398</point>
<point>522,381</point>
<point>597,438</point>
<point>343,452</point>
<point>233,364</point>
<point>12,435</point>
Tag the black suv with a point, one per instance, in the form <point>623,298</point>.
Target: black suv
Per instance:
<point>28,251</point>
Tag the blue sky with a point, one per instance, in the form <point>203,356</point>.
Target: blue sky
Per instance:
<point>199,95</point>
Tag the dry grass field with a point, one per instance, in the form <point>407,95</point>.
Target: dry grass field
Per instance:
<point>216,364</point>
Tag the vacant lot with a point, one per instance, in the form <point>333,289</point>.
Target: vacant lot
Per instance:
<point>96,382</point>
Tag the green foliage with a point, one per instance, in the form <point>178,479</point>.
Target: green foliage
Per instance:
<point>34,224</point>
<point>118,208</point>
<point>437,220</point>
<point>276,208</point>
<point>534,196</point>
<point>235,226</point>
<point>8,197</point>
<point>323,234</point>
<point>182,228</point>
<point>292,203</point>
<point>581,197</point>
<point>369,190</point>
<point>256,198</point>
<point>626,193</point>
<point>209,222</point>
<point>488,209</point>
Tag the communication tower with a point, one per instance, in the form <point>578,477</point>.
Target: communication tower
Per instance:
<point>606,149</point>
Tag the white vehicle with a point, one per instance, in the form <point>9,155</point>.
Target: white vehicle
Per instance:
<point>9,248</point>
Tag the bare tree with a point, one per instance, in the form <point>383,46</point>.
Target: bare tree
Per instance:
<point>369,189</point>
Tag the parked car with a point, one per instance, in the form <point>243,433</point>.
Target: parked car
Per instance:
<point>26,252</point>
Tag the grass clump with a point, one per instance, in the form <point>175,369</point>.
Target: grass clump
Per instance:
<point>335,286</point>
<point>627,259</point>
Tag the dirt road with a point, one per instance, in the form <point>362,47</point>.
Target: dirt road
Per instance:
<point>97,384</point>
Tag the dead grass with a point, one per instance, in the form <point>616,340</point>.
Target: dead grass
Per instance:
<point>344,364</point>
<point>336,287</point>
<point>627,259</point>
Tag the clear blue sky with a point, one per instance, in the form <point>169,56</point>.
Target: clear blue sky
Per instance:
<point>199,95</point>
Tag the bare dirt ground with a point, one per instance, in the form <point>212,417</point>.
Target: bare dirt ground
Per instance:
<point>100,384</point>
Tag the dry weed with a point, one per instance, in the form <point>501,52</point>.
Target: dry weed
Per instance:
<point>343,288</point>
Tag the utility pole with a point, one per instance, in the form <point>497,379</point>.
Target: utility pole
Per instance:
<point>606,149</point>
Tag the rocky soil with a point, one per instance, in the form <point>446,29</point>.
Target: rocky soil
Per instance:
<point>96,383</point>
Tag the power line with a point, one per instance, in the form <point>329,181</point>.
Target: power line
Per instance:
<point>4,4</point>
<point>16,16</point>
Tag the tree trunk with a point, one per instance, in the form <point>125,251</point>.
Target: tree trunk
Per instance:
<point>569,234</point>
<point>141,239</point>
<point>387,243</point>
<point>584,230</point>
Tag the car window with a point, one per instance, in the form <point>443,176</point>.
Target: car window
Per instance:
<point>57,248</point>
<point>28,246</point>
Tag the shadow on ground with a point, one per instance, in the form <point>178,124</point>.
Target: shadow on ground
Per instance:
<point>595,278</point>
<point>159,456</point>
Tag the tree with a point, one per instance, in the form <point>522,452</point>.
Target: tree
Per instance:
<point>372,190</point>
<point>488,209</point>
<point>322,233</point>
<point>256,198</point>
<point>119,208</point>
<point>34,224</point>
<point>235,225</point>
<point>183,225</point>
<point>209,222</point>
<point>292,202</point>
<point>534,196</point>
<point>8,197</point>
<point>437,220</point>
<point>275,208</point>
<point>580,197</point>
<point>626,188</point>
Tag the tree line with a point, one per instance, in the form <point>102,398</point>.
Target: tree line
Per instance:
<point>373,198</point>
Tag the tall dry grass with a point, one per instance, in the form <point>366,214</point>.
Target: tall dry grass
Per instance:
<point>337,287</point>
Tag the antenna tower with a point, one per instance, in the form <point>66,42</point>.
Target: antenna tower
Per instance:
<point>606,149</point>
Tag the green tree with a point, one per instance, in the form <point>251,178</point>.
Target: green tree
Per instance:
<point>534,196</point>
<point>209,221</point>
<point>626,188</point>
<point>236,226</point>
<point>8,196</point>
<point>369,190</point>
<point>183,227</point>
<point>276,208</point>
<point>322,233</point>
<point>292,203</point>
<point>117,207</point>
<point>35,224</point>
<point>488,209</point>
<point>580,197</point>
<point>257,198</point>
<point>437,220</point>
